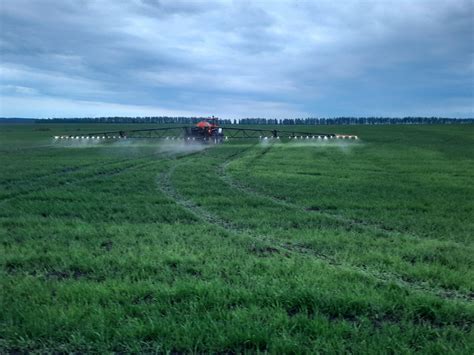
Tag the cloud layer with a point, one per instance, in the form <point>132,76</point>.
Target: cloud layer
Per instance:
<point>235,59</point>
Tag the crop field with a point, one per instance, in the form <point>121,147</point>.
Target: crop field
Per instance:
<point>284,247</point>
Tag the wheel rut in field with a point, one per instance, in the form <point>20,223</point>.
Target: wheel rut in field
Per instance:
<point>138,162</point>
<point>89,176</point>
<point>222,172</point>
<point>19,149</point>
<point>39,179</point>
<point>165,185</point>
<point>36,182</point>
<point>229,180</point>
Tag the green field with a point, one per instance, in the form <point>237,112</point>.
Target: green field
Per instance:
<point>289,247</point>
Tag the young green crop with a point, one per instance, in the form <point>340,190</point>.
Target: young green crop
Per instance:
<point>362,247</point>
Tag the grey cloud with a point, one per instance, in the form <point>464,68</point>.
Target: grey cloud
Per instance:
<point>160,7</point>
<point>298,56</point>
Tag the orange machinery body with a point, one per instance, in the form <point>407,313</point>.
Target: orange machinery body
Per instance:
<point>205,124</point>
<point>207,129</point>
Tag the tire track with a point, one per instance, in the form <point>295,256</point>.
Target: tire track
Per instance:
<point>38,180</point>
<point>165,154</point>
<point>363,225</point>
<point>165,185</point>
<point>89,176</point>
<point>71,170</point>
<point>224,176</point>
<point>20,149</point>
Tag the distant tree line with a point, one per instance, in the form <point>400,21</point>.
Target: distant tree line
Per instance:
<point>356,121</point>
<point>158,119</point>
<point>266,121</point>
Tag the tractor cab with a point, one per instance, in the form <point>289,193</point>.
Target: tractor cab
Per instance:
<point>208,130</point>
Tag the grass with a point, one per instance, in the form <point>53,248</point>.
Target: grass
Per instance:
<point>291,247</point>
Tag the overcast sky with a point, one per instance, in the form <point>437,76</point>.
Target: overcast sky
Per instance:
<point>73,58</point>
